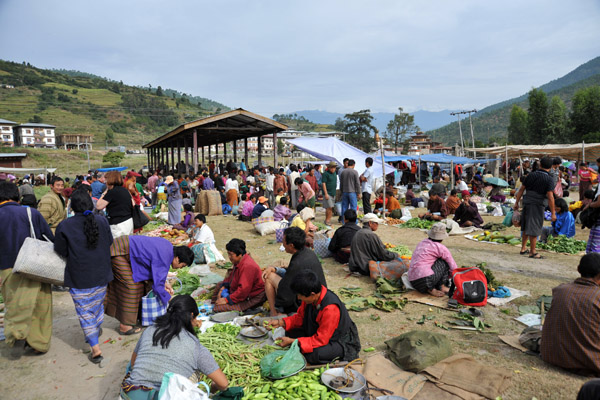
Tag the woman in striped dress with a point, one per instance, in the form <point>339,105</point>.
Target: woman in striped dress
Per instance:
<point>85,240</point>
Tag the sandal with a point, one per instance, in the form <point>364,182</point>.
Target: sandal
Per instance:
<point>133,331</point>
<point>537,256</point>
<point>524,252</point>
<point>96,360</point>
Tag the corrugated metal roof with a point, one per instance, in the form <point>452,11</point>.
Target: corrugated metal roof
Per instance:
<point>31,124</point>
<point>5,121</point>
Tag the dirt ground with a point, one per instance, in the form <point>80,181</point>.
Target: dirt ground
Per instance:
<point>65,373</point>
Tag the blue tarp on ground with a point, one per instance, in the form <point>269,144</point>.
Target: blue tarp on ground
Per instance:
<point>111,169</point>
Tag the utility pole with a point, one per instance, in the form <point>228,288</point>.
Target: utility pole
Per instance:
<point>87,150</point>
<point>457,113</point>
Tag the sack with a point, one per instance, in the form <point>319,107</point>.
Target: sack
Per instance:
<point>397,213</point>
<point>281,363</point>
<point>37,259</point>
<point>202,202</point>
<point>531,338</point>
<point>391,270</point>
<point>139,218</point>
<point>507,221</point>
<point>283,225</point>
<point>215,206</point>
<point>178,387</point>
<point>212,254</point>
<point>321,246</point>
<point>152,308</point>
<point>589,217</point>
<point>267,228</point>
<point>416,350</point>
<point>469,287</point>
<point>235,210</point>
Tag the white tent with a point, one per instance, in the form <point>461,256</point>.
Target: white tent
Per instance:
<point>332,149</point>
<point>25,171</point>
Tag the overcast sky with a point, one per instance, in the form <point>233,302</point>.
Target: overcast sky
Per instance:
<point>339,56</point>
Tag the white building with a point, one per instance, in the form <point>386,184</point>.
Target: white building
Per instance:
<point>35,135</point>
<point>7,133</point>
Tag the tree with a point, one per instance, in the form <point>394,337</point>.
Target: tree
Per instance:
<point>74,91</point>
<point>558,121</point>
<point>36,119</point>
<point>518,131</point>
<point>280,147</point>
<point>397,129</point>
<point>340,125</point>
<point>537,116</point>
<point>113,158</point>
<point>585,114</point>
<point>110,135</point>
<point>159,91</point>
<point>359,128</point>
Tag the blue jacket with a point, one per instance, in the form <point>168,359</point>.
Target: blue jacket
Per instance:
<point>15,228</point>
<point>564,224</point>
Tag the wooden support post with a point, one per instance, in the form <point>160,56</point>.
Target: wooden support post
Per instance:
<point>209,154</point>
<point>195,155</point>
<point>275,150</point>
<point>173,156</point>
<point>185,152</point>
<point>235,151</point>
<point>225,153</point>
<point>203,162</point>
<point>259,151</point>
<point>246,153</point>
<point>148,157</point>
<point>178,154</point>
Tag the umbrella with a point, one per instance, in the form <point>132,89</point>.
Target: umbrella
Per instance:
<point>570,165</point>
<point>497,182</point>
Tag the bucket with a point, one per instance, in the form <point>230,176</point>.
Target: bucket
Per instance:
<point>421,204</point>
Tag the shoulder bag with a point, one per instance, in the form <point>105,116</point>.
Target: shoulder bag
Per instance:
<point>37,259</point>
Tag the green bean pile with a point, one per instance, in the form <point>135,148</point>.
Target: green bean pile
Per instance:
<point>305,386</point>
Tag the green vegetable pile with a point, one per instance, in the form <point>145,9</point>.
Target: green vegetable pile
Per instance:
<point>224,264</point>
<point>417,223</point>
<point>240,362</point>
<point>401,250</point>
<point>305,385</point>
<point>563,244</point>
<point>152,225</point>
<point>489,276</point>
<point>321,226</point>
<point>232,330</point>
<point>381,301</point>
<point>189,282</point>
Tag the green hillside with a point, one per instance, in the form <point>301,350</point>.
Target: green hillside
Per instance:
<point>77,102</point>
<point>491,123</point>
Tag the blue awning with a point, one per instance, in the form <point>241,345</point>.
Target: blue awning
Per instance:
<point>112,169</point>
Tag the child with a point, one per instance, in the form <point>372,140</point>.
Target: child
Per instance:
<point>279,196</point>
<point>246,214</point>
<point>564,224</point>
<point>187,219</point>
<point>281,211</point>
<point>409,195</point>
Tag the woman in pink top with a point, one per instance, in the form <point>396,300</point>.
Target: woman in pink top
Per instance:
<point>585,179</point>
<point>246,214</point>
<point>432,264</point>
<point>308,194</point>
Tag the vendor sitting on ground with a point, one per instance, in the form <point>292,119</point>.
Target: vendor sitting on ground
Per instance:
<point>467,213</point>
<point>368,248</point>
<point>564,224</point>
<point>452,202</point>
<point>188,219</point>
<point>391,204</point>
<point>342,238</point>
<point>436,207</point>
<point>243,287</point>
<point>282,212</point>
<point>571,332</point>
<point>432,264</point>
<point>322,324</point>
<point>261,206</point>
<point>247,209</point>
<point>278,280</point>
<point>409,196</point>
<point>304,221</point>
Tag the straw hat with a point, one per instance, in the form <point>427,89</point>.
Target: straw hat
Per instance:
<point>370,217</point>
<point>169,179</point>
<point>332,164</point>
<point>438,231</point>
<point>262,199</point>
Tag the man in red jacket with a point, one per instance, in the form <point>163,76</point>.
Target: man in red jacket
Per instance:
<point>243,287</point>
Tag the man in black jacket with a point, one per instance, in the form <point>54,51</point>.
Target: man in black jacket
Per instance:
<point>342,238</point>
<point>278,281</point>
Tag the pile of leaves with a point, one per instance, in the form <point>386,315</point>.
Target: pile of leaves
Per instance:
<point>224,264</point>
<point>563,244</point>
<point>150,226</point>
<point>382,300</point>
<point>320,226</point>
<point>399,249</point>
<point>417,223</point>
<point>233,330</point>
<point>189,282</point>
<point>491,279</point>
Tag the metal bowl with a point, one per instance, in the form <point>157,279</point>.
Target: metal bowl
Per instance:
<point>227,316</point>
<point>253,332</point>
<point>359,380</point>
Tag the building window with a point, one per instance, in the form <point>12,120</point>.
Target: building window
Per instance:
<point>6,128</point>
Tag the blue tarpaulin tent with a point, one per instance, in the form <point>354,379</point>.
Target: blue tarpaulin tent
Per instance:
<point>112,169</point>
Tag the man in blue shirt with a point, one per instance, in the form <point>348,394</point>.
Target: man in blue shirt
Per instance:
<point>98,186</point>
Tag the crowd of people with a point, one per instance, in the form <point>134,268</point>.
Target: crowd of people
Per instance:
<point>109,267</point>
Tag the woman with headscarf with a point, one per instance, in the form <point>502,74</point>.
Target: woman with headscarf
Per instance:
<point>85,240</point>
<point>174,200</point>
<point>467,213</point>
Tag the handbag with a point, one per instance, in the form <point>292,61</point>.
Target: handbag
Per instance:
<point>139,218</point>
<point>152,308</point>
<point>279,231</point>
<point>37,259</point>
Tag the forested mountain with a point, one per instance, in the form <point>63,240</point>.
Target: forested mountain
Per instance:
<point>79,102</point>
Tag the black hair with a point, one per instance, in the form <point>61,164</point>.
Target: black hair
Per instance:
<point>293,168</point>
<point>283,200</point>
<point>67,179</point>
<point>205,175</point>
<point>345,159</point>
<point>560,202</point>
<point>589,194</point>
<point>281,170</point>
<point>306,283</point>
<point>546,162</point>
<point>589,265</point>
<point>453,192</point>
<point>187,207</point>
<point>8,191</point>
<point>350,215</point>
<point>81,202</point>
<point>351,163</point>
<point>556,161</point>
<point>583,164</point>
<point>184,253</point>
<point>237,246</point>
<point>298,181</point>
<point>200,217</point>
<point>175,320</point>
<point>87,188</point>
<point>410,186</point>
<point>253,196</point>
<point>369,160</point>
<point>56,179</point>
<point>232,176</point>
<point>295,236</point>
<point>300,207</point>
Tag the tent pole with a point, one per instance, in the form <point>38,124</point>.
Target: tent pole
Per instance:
<point>382,169</point>
<point>419,166</point>
<point>583,150</point>
<point>506,160</point>
<point>452,175</point>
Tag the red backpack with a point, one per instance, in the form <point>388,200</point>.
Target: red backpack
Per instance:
<point>469,286</point>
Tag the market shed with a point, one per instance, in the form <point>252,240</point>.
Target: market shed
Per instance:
<point>235,126</point>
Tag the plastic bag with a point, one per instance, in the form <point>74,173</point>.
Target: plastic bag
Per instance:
<point>177,387</point>
<point>281,363</point>
<point>508,219</point>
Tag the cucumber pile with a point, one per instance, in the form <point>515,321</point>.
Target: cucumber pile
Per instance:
<point>497,237</point>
